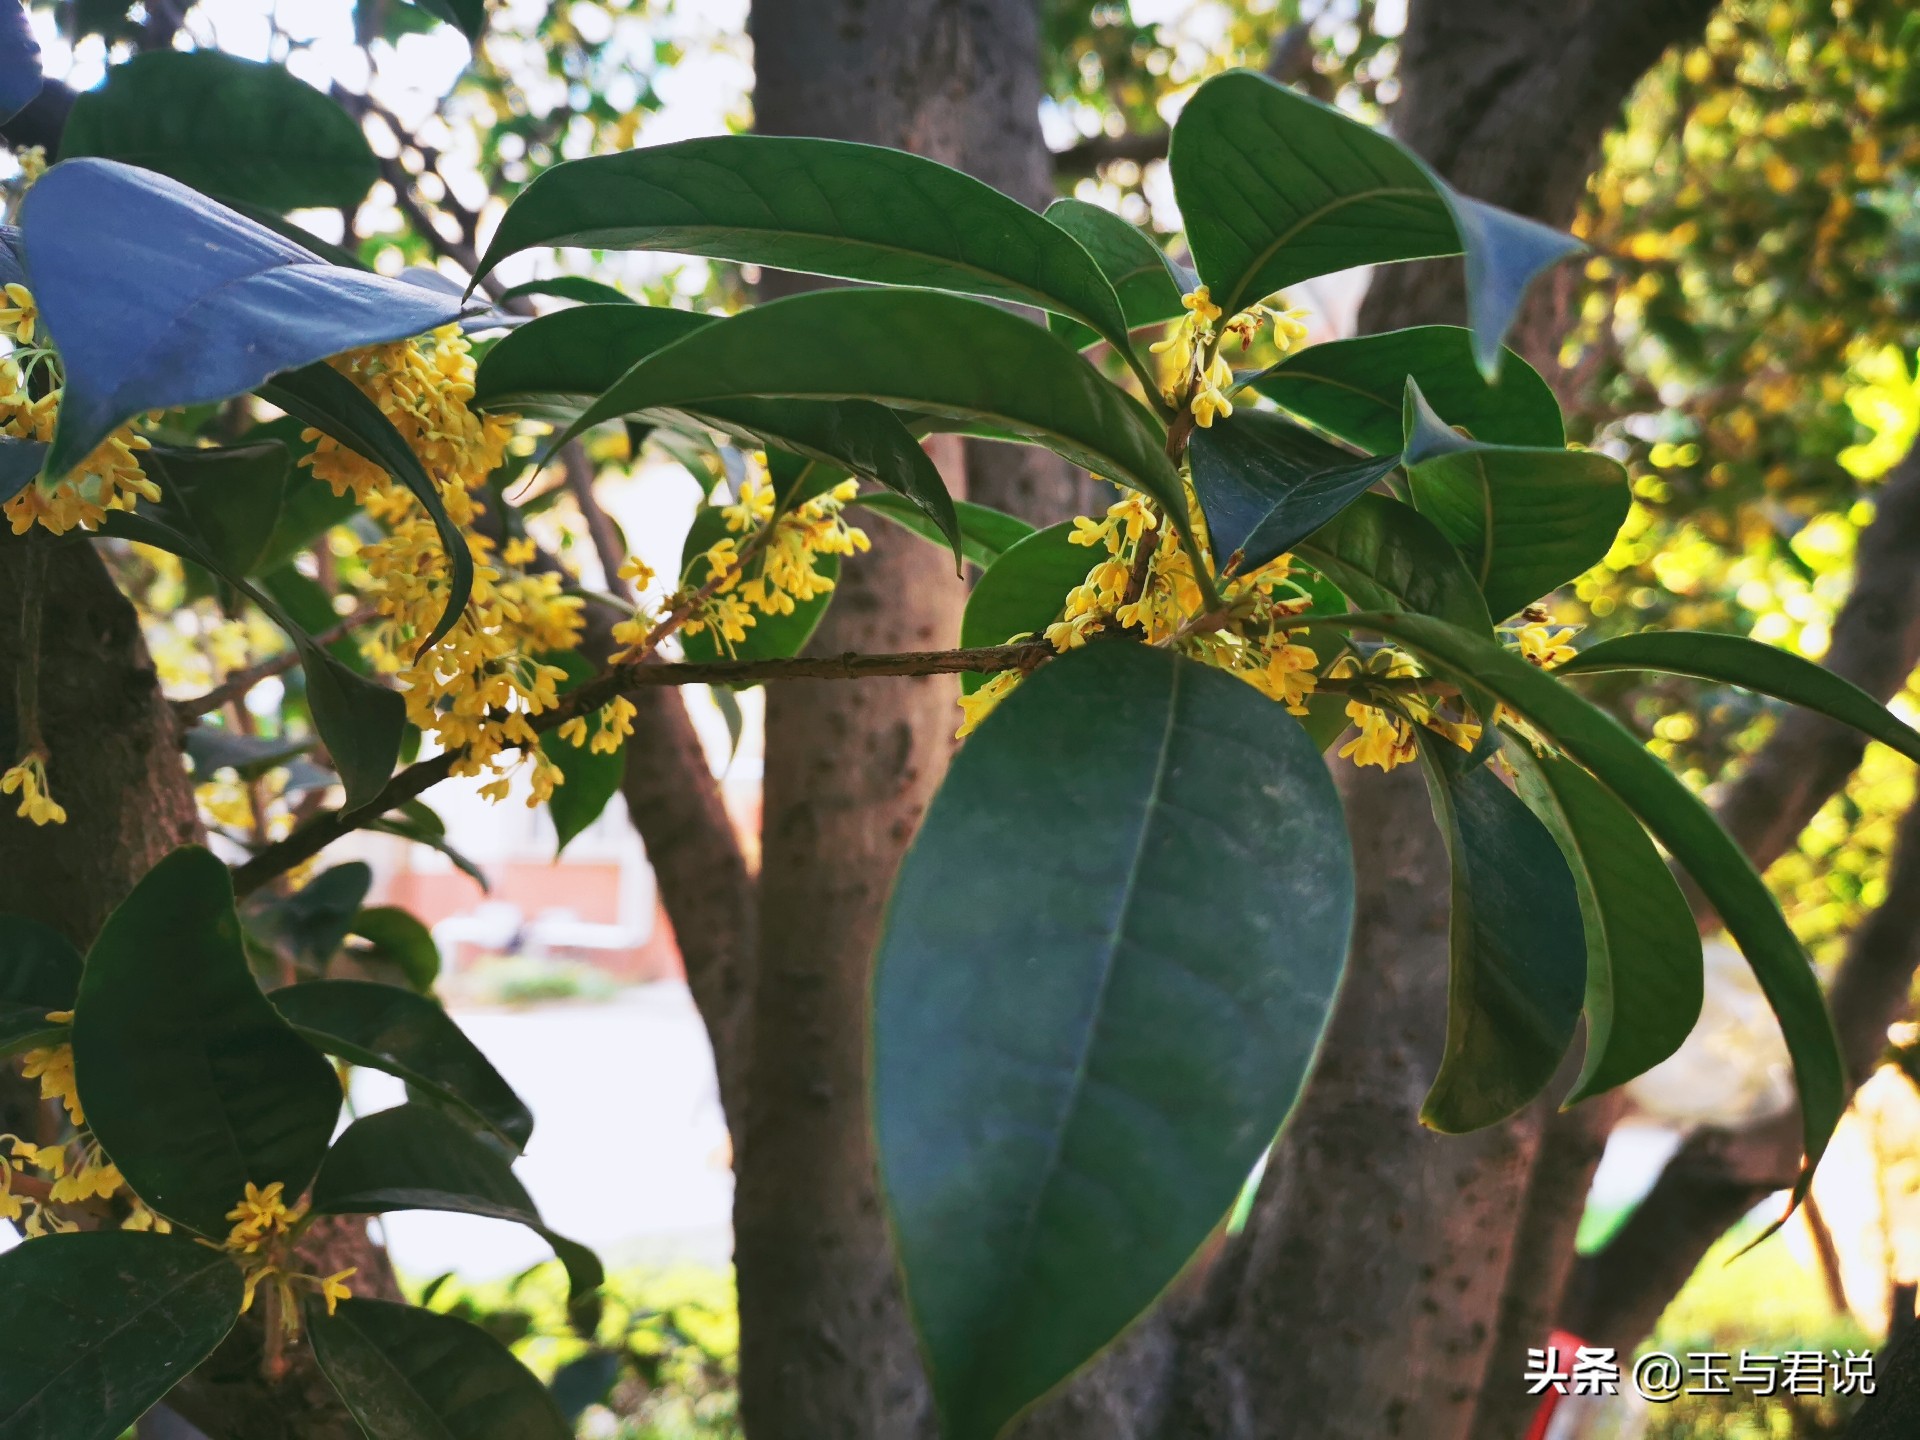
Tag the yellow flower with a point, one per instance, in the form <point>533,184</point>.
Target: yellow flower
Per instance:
<point>19,316</point>
<point>1543,645</point>
<point>977,706</point>
<point>1210,401</point>
<point>519,552</point>
<point>52,1066</point>
<point>261,1215</point>
<point>29,780</point>
<point>1385,739</point>
<point>334,1289</point>
<point>637,572</point>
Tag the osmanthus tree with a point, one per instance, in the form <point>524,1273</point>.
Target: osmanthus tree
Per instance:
<point>1114,945</point>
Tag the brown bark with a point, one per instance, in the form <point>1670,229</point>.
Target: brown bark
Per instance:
<point>116,765</point>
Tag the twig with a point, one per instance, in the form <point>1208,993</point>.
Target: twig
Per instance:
<point>236,685</point>
<point>314,836</point>
<point>600,526</point>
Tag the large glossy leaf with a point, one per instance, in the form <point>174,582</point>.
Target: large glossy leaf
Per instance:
<point>943,355</point>
<point>1527,520</point>
<point>397,938</point>
<point>310,925</point>
<point>985,533</point>
<point>826,207</point>
<point>189,1077</point>
<point>591,781</point>
<point>1276,188</point>
<point>361,721</point>
<point>1138,270</point>
<point>20,73</point>
<point>1644,975</point>
<point>97,1326</point>
<point>322,397</point>
<point>1679,820</point>
<point>414,1158</point>
<point>1021,593</point>
<point>20,462</point>
<point>39,972</point>
<point>1517,959</point>
<point>229,498</point>
<point>1070,1090</point>
<point>1266,483</point>
<point>1356,389</point>
<point>228,127</point>
<point>1386,555</point>
<point>156,296</point>
<point>1738,660</point>
<point>409,1374</point>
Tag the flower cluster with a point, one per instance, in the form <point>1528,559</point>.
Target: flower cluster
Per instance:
<point>74,1172</point>
<point>1202,378</point>
<point>265,1229</point>
<point>28,780</point>
<point>477,690</point>
<point>764,565</point>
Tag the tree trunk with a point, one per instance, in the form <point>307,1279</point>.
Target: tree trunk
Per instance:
<point>826,1350</point>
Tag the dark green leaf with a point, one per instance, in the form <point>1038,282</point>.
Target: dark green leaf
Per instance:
<point>311,924</point>
<point>1644,976</point>
<point>20,75</point>
<point>97,1326</point>
<point>226,126</point>
<point>985,533</point>
<point>416,822</point>
<point>1386,555</point>
<point>20,462</point>
<point>229,498</point>
<point>569,287</point>
<point>585,1381</point>
<point>468,16</point>
<point>398,938</point>
<point>1738,660</point>
<point>1139,272</point>
<point>1527,520</point>
<point>360,721</point>
<point>1094,1008</point>
<point>332,404</point>
<point>1356,389</point>
<point>408,1035</point>
<point>1277,188</point>
<point>914,350</point>
<point>190,1079</point>
<point>308,510</point>
<point>825,207</point>
<point>1266,483</point>
<point>1023,591</point>
<point>591,781</point>
<point>409,1374</point>
<point>1680,821</point>
<point>39,972</point>
<point>158,297</point>
<point>414,1158</point>
<point>1517,960</point>
<point>212,749</point>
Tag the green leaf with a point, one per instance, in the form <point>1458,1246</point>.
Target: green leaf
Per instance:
<point>212,749</point>
<point>1356,388</point>
<point>21,78</point>
<point>228,498</point>
<point>1527,520</point>
<point>1141,276</point>
<point>190,1079</point>
<point>1387,556</point>
<point>822,207</point>
<point>404,1034</point>
<point>1644,973</point>
<point>592,780</point>
<point>985,533</point>
<point>99,1325</point>
<point>310,924</point>
<point>1680,821</point>
<point>1093,1008</point>
<point>226,126</point>
<point>39,972</point>
<point>569,287</point>
<point>469,17</point>
<point>1023,591</point>
<point>771,637</point>
<point>557,366</point>
<point>20,462</point>
<point>332,404</point>
<point>1516,956</point>
<point>938,354</point>
<point>413,1157</point>
<point>360,720</point>
<point>417,822</point>
<point>1752,665</point>
<point>409,1374</point>
<point>1266,483</point>
<point>397,937</point>
<point>157,297</point>
<point>308,509</point>
<point>1277,188</point>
